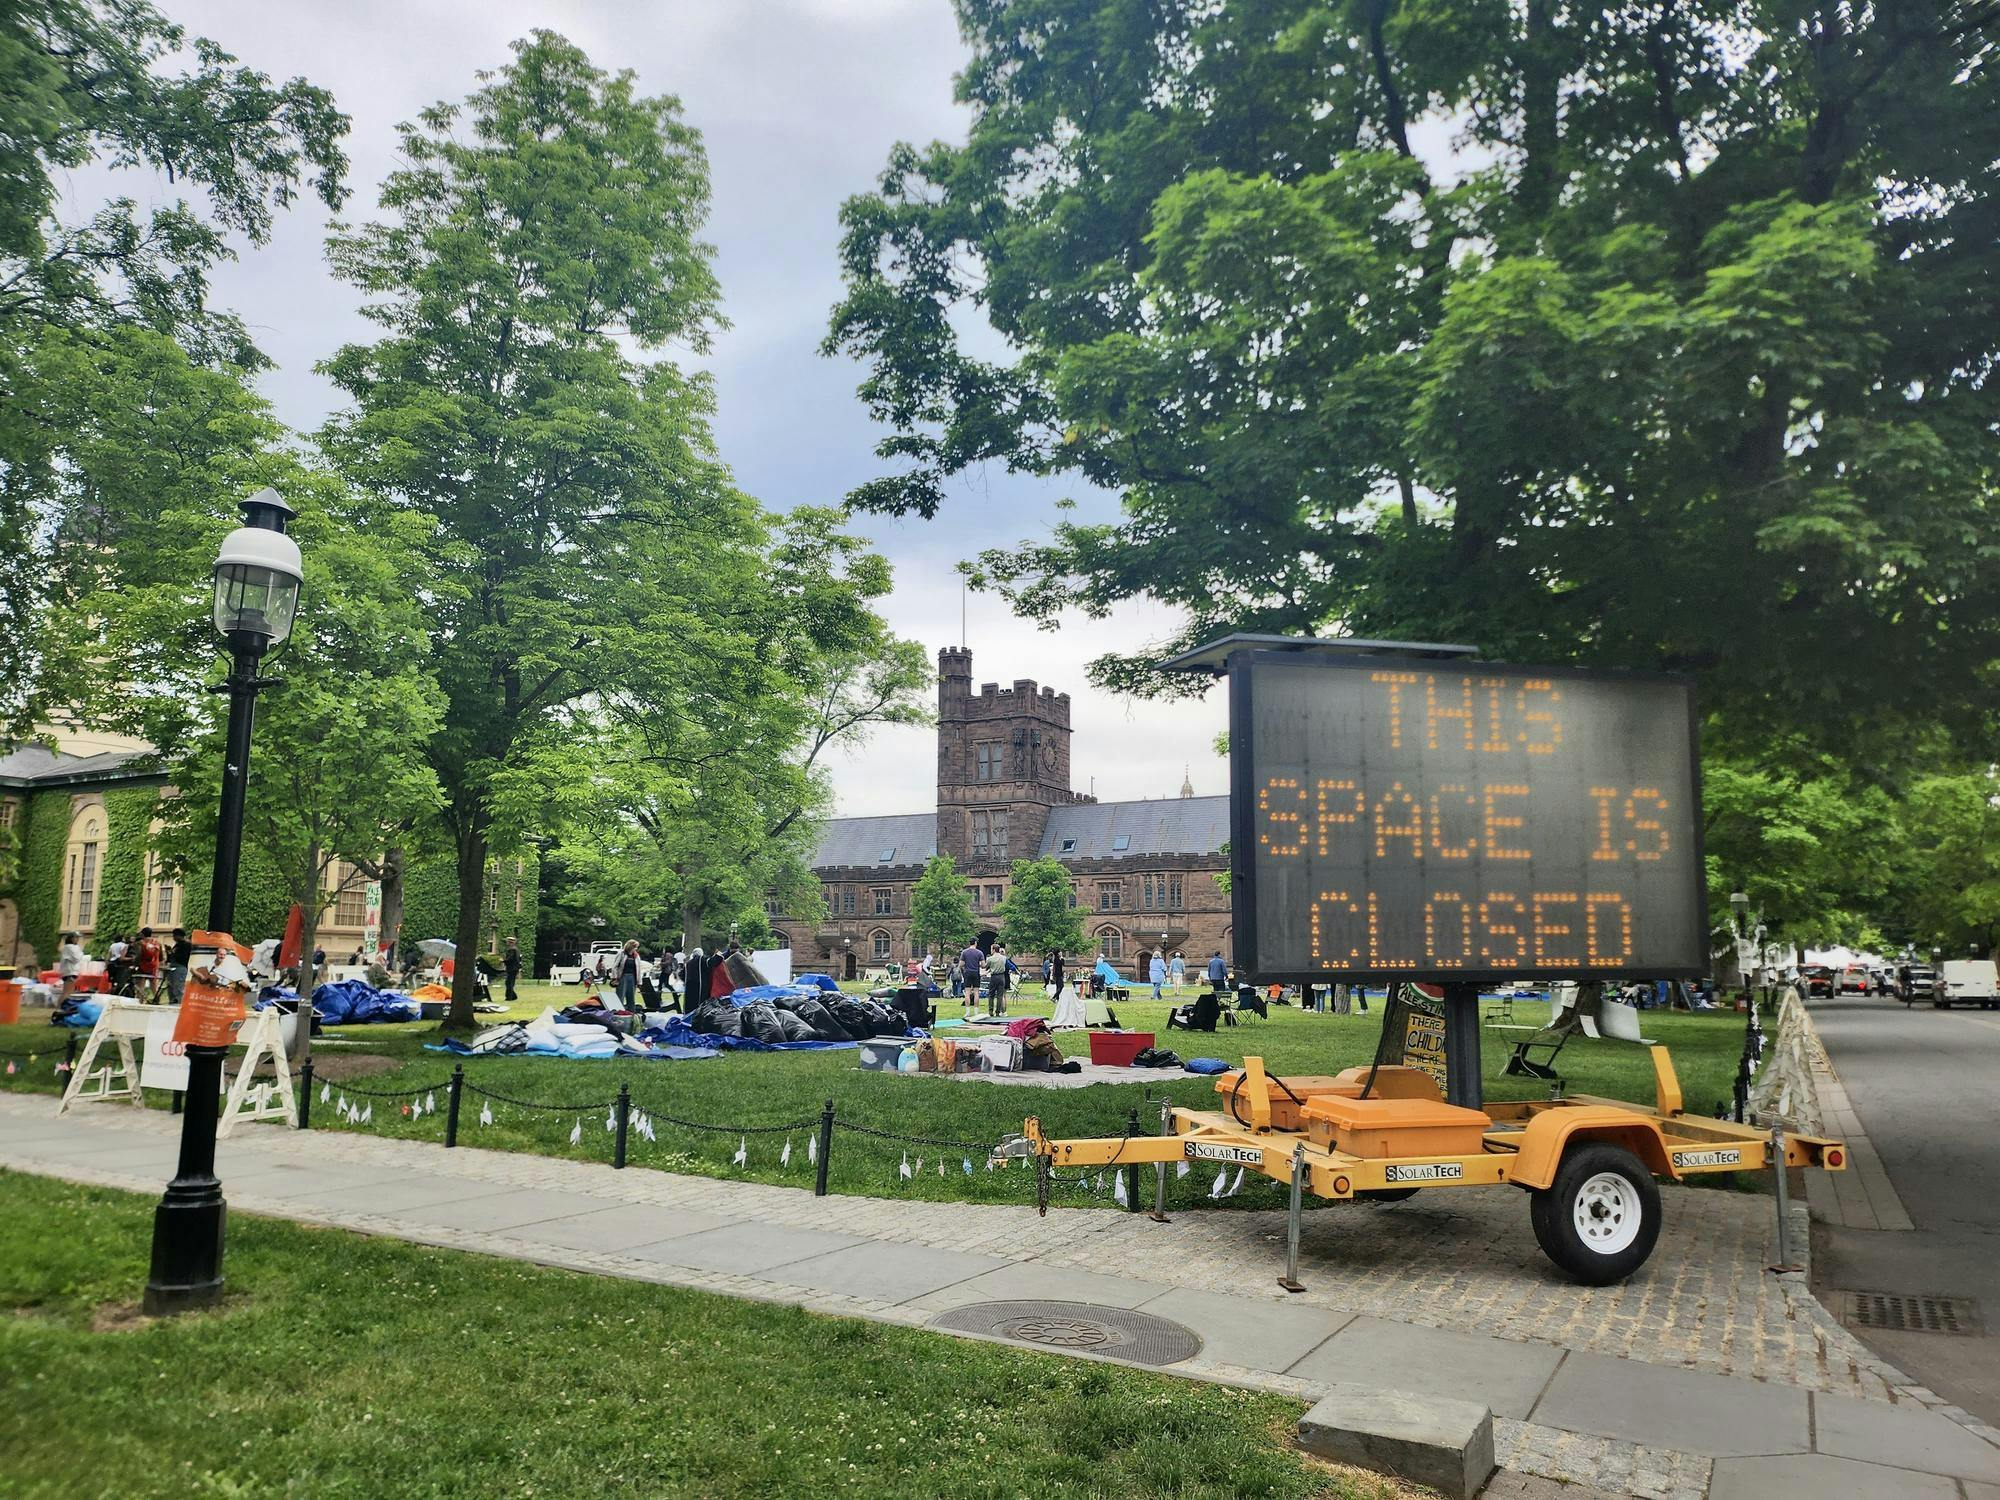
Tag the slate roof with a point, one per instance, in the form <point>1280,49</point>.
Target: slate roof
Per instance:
<point>1170,825</point>
<point>37,765</point>
<point>862,841</point>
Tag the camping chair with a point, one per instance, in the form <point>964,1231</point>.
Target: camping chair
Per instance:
<point>1568,1003</point>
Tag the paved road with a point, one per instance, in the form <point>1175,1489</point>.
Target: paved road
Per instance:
<point>1926,1085</point>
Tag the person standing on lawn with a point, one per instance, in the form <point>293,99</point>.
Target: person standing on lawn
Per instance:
<point>1177,973</point>
<point>510,965</point>
<point>147,987</point>
<point>628,973</point>
<point>1218,974</point>
<point>180,953</point>
<point>70,959</point>
<point>973,962</point>
<point>1156,972</point>
<point>1054,969</point>
<point>1004,970</point>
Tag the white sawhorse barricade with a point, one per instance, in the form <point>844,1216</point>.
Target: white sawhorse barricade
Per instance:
<point>250,1098</point>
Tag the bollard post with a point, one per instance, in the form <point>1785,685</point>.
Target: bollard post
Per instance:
<point>1785,1262</point>
<point>69,1053</point>
<point>624,1109</point>
<point>305,1094</point>
<point>1290,1280</point>
<point>451,1106</point>
<point>825,1149</point>
<point>1132,1171</point>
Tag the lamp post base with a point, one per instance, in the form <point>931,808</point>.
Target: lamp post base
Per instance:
<point>188,1225</point>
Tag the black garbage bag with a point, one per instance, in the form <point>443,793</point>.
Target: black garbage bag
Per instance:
<point>717,1018</point>
<point>819,1018</point>
<point>883,1020</point>
<point>797,1027</point>
<point>760,1020</point>
<point>852,1016</point>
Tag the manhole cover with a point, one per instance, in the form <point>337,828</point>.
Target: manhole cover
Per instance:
<point>1117,1331</point>
<point>1900,1312</point>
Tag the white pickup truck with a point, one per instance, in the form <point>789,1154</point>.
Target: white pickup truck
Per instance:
<point>1967,981</point>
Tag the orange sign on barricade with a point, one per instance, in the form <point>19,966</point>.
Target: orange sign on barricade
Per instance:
<point>212,1007</point>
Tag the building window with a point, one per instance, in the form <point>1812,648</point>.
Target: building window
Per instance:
<point>350,907</point>
<point>994,895</point>
<point>1111,943</point>
<point>999,833</point>
<point>972,895</point>
<point>1173,892</point>
<point>86,849</point>
<point>1147,894</point>
<point>987,764</point>
<point>159,904</point>
<point>885,901</point>
<point>1121,843</point>
<point>7,807</point>
<point>1072,898</point>
<point>887,856</point>
<point>878,942</point>
<point>1068,846</point>
<point>1110,895</point>
<point>847,901</point>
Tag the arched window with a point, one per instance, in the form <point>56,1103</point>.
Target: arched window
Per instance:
<point>878,941</point>
<point>160,902</point>
<point>81,868</point>
<point>1111,942</point>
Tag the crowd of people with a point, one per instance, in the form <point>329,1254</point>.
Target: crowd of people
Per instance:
<point>147,967</point>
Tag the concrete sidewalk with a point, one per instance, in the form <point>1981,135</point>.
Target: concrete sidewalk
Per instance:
<point>1564,1409</point>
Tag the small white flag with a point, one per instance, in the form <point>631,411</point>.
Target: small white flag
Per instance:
<point>1221,1181</point>
<point>1236,1186</point>
<point>940,1166</point>
<point>1118,1189</point>
<point>904,1170</point>
<point>1181,1169</point>
<point>812,1149</point>
<point>610,1122</point>
<point>968,1166</point>
<point>367,1114</point>
<point>920,1166</point>
<point>576,1133</point>
<point>1100,1182</point>
<point>989,1163</point>
<point>430,1104</point>
<point>486,1114</point>
<point>325,1092</point>
<point>785,1156</point>
<point>343,1106</point>
<point>742,1156</point>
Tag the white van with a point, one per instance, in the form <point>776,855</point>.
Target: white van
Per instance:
<point>1967,981</point>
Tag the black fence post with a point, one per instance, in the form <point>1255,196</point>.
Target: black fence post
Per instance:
<point>451,1107</point>
<point>1132,1171</point>
<point>69,1053</point>
<point>306,1094</point>
<point>624,1124</point>
<point>825,1149</point>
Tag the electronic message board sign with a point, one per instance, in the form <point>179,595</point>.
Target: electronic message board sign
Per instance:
<point>1454,820</point>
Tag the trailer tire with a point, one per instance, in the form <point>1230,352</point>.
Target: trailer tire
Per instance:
<point>1602,1214</point>
<point>1541,1221</point>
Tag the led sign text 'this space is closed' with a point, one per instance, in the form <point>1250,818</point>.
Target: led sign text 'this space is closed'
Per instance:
<point>1454,820</point>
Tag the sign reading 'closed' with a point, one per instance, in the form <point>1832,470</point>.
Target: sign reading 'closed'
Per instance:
<point>1458,820</point>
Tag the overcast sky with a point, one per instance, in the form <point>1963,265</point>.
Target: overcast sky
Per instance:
<point>799,102</point>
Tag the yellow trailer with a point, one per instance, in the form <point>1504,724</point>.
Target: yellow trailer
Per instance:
<point>1590,1166</point>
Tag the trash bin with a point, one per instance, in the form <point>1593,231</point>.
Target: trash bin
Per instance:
<point>10,1001</point>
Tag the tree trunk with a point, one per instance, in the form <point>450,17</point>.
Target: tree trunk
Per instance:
<point>301,1047</point>
<point>392,897</point>
<point>471,895</point>
<point>690,926</point>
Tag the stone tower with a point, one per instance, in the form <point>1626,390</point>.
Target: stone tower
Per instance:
<point>1003,762</point>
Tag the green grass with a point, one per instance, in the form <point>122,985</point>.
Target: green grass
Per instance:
<point>749,1090</point>
<point>346,1366</point>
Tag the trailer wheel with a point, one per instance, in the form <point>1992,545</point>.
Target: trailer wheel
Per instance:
<point>1541,1219</point>
<point>1602,1216</point>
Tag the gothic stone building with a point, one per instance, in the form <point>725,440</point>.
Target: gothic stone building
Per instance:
<point>1143,872</point>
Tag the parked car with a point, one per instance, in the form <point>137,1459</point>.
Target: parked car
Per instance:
<point>1817,980</point>
<point>1920,983</point>
<point>1854,980</point>
<point>1968,981</point>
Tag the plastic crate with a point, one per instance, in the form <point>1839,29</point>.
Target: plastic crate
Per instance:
<point>1116,1049</point>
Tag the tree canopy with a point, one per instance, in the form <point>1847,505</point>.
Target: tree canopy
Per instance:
<point>941,920</point>
<point>1682,359</point>
<point>1039,914</point>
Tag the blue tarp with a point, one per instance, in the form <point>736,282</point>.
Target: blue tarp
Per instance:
<point>669,1054</point>
<point>354,1002</point>
<point>677,1033</point>
<point>81,1015</point>
<point>821,982</point>
<point>750,994</point>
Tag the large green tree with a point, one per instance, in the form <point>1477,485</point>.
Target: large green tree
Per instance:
<point>113,83</point>
<point>1040,914</point>
<point>941,920</point>
<point>1685,357</point>
<point>590,550</point>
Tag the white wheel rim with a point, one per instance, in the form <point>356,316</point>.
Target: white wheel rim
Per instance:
<point>1607,1212</point>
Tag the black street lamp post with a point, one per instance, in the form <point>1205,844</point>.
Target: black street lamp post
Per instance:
<point>257,578</point>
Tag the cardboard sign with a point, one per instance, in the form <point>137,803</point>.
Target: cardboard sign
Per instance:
<point>209,1015</point>
<point>1423,1044</point>
<point>164,1065</point>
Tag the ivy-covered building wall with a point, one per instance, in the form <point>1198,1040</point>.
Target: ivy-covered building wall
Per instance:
<point>513,889</point>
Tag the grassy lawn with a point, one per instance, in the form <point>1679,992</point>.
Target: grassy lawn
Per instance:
<point>342,1365</point>
<point>787,1089</point>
